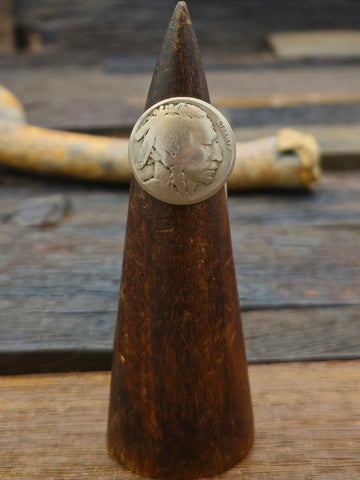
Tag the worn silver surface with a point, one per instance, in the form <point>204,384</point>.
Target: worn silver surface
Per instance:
<point>182,150</point>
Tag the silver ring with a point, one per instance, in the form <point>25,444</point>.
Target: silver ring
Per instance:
<point>182,150</point>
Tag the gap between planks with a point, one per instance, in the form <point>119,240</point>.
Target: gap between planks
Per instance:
<point>307,425</point>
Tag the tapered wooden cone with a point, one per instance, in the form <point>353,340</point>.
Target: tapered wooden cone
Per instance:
<point>180,403</point>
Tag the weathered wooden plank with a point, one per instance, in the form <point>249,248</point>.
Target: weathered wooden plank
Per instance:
<point>59,285</point>
<point>331,114</point>
<point>98,100</point>
<point>294,240</point>
<point>133,27</point>
<point>307,422</point>
<point>41,340</point>
<point>258,101</point>
<point>291,335</point>
<point>325,43</point>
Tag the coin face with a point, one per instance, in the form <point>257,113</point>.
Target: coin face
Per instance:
<point>182,150</point>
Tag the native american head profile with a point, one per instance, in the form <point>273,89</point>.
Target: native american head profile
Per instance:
<point>178,148</point>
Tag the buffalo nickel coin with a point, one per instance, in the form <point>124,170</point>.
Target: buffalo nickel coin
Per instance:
<point>182,150</point>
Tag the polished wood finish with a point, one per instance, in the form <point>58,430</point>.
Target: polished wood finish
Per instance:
<point>180,402</point>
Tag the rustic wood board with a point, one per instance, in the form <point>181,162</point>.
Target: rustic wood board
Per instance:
<point>296,258</point>
<point>46,341</point>
<point>323,100</point>
<point>135,27</point>
<point>307,422</point>
<point>284,116</point>
<point>325,43</point>
<point>86,98</point>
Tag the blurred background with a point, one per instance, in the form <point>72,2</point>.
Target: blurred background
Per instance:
<point>86,65</point>
<point>103,28</point>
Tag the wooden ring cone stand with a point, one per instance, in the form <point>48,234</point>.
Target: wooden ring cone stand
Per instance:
<point>180,403</point>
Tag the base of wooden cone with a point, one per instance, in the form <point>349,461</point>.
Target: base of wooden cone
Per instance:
<point>229,461</point>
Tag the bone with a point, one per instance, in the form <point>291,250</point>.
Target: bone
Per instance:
<point>289,159</point>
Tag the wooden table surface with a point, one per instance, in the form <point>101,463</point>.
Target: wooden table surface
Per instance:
<point>297,264</point>
<point>307,423</point>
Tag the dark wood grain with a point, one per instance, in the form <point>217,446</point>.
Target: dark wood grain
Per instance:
<point>180,402</point>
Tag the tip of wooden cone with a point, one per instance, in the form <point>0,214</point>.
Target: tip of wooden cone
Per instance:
<point>179,71</point>
<point>181,5</point>
<point>181,10</point>
<point>180,17</point>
